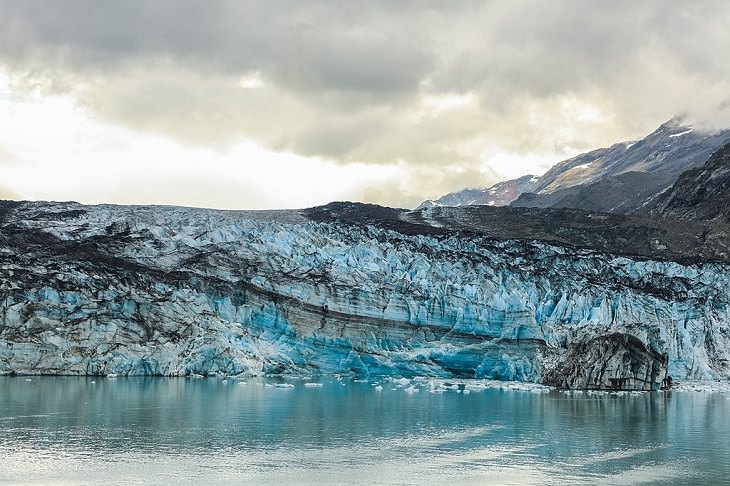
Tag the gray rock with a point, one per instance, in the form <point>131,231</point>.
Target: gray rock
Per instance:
<point>613,362</point>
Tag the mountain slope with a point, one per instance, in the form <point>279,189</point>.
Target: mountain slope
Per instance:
<point>701,193</point>
<point>622,194</point>
<point>672,148</point>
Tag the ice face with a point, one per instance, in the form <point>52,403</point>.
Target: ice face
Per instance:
<point>172,291</point>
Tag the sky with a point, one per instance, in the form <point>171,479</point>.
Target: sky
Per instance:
<point>286,104</point>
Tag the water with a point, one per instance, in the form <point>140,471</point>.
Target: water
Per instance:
<point>187,431</point>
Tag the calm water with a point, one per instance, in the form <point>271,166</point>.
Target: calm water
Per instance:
<point>185,431</point>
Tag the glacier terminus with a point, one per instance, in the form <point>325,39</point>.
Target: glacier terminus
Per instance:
<point>359,290</point>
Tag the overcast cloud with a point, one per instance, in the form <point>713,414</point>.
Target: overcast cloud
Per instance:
<point>453,93</point>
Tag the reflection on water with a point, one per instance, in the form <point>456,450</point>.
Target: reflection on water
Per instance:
<point>133,430</point>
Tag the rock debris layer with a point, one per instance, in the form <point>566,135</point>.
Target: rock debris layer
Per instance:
<point>179,291</point>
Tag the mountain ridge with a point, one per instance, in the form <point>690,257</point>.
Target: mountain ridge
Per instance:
<point>665,153</point>
<point>500,194</point>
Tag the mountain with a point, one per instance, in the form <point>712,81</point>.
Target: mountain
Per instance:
<point>557,296</point>
<point>624,177</point>
<point>700,193</point>
<point>500,194</point>
<point>672,148</point>
<point>623,194</point>
<point>627,177</point>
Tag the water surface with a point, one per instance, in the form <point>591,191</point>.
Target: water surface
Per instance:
<point>66,430</point>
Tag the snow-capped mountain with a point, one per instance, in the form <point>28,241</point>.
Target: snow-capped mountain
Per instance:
<point>621,178</point>
<point>500,194</point>
<point>554,296</point>
<point>672,148</point>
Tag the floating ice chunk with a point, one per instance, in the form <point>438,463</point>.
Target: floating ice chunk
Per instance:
<point>313,385</point>
<point>112,375</point>
<point>378,388</point>
<point>401,381</point>
<point>702,386</point>
<point>412,389</point>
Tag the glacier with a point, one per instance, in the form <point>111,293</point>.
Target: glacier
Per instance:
<point>145,290</point>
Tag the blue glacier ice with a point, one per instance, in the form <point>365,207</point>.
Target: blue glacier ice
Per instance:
<point>176,291</point>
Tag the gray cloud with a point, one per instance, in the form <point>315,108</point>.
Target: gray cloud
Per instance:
<point>357,82</point>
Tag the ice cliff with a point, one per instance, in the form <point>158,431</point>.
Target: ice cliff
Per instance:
<point>176,291</point>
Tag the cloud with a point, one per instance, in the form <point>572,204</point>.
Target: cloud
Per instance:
<point>412,187</point>
<point>6,193</point>
<point>8,159</point>
<point>419,85</point>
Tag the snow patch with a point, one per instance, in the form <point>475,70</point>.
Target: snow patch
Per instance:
<point>681,133</point>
